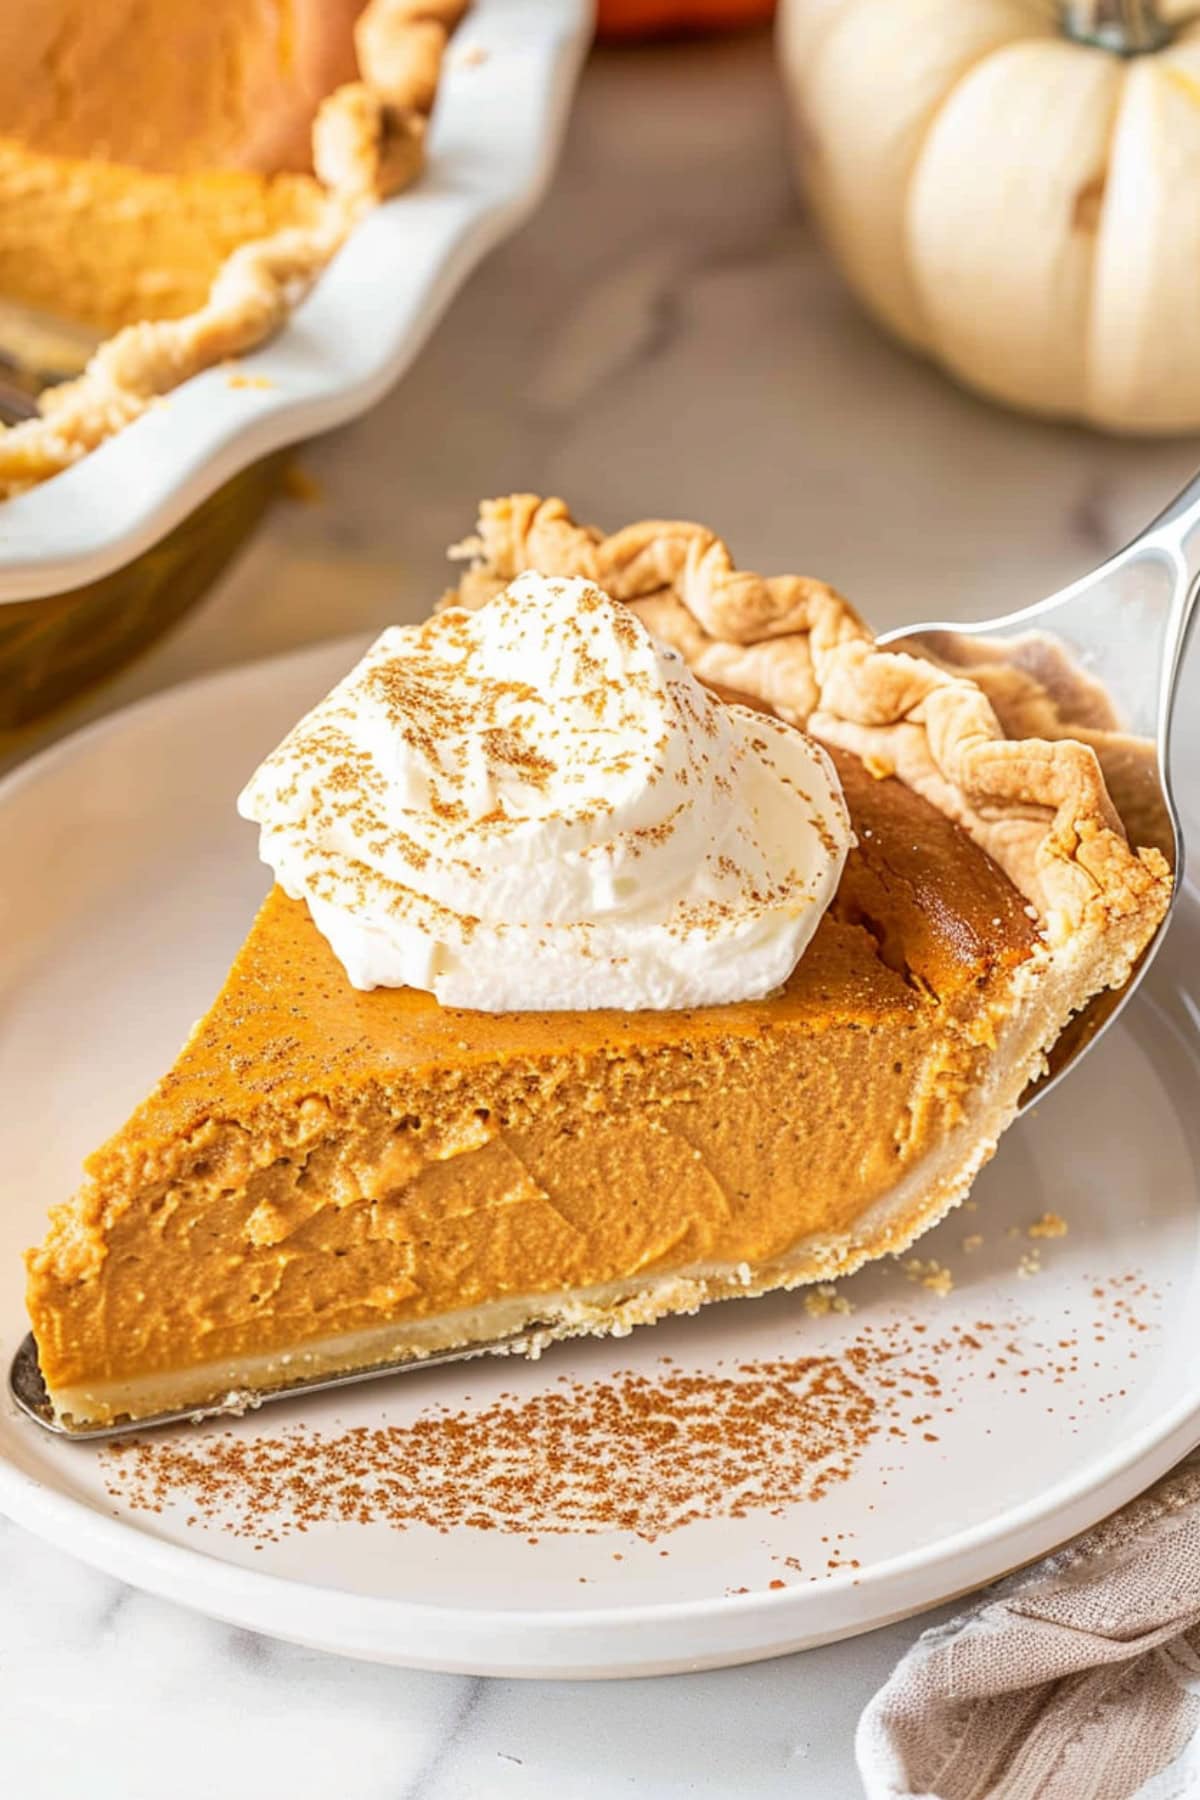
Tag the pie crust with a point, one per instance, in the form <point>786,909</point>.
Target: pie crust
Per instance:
<point>1038,806</point>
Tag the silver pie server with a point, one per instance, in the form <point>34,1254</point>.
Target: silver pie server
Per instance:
<point>28,1390</point>
<point>1106,651</point>
<point>1105,654</point>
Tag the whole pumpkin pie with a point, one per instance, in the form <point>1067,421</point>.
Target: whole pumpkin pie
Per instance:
<point>335,1176</point>
<point>179,171</point>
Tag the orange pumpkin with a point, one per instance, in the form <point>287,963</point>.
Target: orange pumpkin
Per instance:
<point>627,19</point>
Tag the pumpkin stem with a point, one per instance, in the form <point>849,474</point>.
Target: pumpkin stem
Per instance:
<point>1128,27</point>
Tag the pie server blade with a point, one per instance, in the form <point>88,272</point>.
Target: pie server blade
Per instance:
<point>27,1389</point>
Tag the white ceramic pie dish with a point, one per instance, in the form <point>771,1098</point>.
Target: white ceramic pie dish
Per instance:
<point>499,121</point>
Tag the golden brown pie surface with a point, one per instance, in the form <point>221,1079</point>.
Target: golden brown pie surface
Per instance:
<point>329,1178</point>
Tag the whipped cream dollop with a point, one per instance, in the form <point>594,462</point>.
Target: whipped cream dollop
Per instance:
<point>537,806</point>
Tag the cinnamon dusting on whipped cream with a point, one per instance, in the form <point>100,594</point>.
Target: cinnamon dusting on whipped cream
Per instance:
<point>537,806</point>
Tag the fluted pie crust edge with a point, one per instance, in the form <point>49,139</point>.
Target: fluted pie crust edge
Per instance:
<point>1039,807</point>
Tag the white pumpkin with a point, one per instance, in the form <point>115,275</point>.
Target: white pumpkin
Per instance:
<point>1020,205</point>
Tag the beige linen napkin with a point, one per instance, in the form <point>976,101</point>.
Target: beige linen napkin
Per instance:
<point>1076,1680</point>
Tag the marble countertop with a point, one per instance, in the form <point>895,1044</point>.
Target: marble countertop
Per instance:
<point>666,337</point>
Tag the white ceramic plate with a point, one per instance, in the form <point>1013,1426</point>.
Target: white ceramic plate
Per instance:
<point>496,131</point>
<point>128,883</point>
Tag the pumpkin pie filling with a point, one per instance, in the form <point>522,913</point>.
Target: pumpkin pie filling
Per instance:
<point>330,1178</point>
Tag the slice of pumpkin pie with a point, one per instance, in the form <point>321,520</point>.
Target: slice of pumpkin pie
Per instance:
<point>590,991</point>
